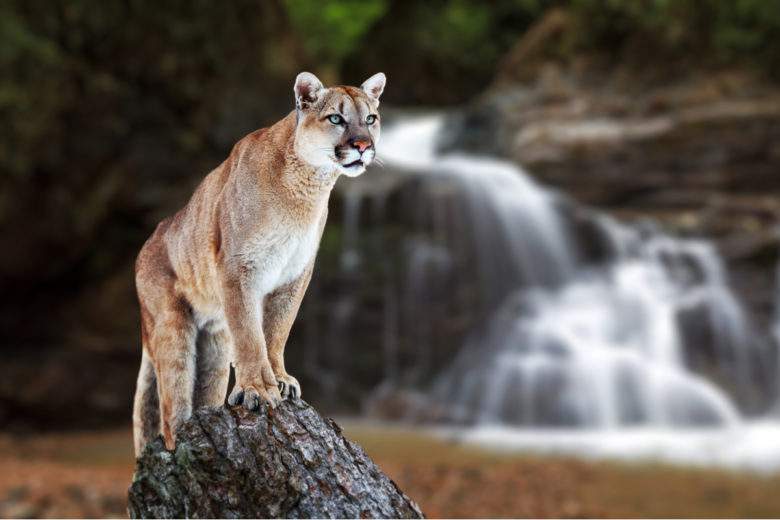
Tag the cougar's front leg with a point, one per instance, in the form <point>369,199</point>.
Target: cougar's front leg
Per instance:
<point>255,379</point>
<point>280,309</point>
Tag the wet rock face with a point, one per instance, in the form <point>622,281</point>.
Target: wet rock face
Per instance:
<point>674,149</point>
<point>282,463</point>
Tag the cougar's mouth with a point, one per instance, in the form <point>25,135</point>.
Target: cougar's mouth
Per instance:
<point>354,163</point>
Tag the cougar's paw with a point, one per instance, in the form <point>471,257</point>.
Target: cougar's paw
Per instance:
<point>289,387</point>
<point>251,397</point>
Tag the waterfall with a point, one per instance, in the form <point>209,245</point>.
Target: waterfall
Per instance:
<point>776,334</point>
<point>564,342</point>
<point>507,307</point>
<point>776,321</point>
<point>604,350</point>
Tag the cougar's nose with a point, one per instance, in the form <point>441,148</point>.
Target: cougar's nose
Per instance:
<point>361,143</point>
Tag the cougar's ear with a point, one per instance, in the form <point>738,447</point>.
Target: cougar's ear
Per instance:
<point>307,88</point>
<point>374,85</point>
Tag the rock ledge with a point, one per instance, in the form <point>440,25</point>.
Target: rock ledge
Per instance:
<point>285,462</point>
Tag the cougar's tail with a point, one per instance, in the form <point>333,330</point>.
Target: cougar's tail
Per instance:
<point>146,407</point>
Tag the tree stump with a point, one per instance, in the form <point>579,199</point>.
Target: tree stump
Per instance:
<point>283,462</point>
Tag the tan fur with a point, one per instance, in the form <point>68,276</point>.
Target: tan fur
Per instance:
<point>222,280</point>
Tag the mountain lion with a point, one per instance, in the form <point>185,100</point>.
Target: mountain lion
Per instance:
<point>221,281</point>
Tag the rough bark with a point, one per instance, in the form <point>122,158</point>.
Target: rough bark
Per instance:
<point>287,462</point>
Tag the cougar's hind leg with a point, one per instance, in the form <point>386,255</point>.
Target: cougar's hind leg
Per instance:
<point>169,333</point>
<point>146,406</point>
<point>172,342</point>
<point>212,367</point>
<point>175,363</point>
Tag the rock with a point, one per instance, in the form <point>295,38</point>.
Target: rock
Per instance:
<point>286,462</point>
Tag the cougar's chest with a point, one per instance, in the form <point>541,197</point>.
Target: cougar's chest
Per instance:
<point>282,253</point>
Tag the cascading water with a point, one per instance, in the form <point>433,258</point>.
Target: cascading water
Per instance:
<point>776,334</point>
<point>644,334</point>
<point>604,350</point>
<point>569,346</point>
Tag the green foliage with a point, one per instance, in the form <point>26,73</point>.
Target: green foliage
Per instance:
<point>714,31</point>
<point>26,59</point>
<point>97,97</point>
<point>460,25</point>
<point>750,28</point>
<point>441,51</point>
<point>331,29</point>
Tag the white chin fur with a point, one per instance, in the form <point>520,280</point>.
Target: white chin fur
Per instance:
<point>353,171</point>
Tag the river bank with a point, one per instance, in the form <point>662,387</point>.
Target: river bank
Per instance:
<point>86,475</point>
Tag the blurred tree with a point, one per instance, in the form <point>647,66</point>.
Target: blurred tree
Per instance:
<point>697,32</point>
<point>442,51</point>
<point>331,29</point>
<point>108,107</point>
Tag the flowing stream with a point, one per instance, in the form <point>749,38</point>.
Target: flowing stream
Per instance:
<point>583,335</point>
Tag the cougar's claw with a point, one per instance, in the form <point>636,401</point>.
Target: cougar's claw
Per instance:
<point>250,397</point>
<point>289,387</point>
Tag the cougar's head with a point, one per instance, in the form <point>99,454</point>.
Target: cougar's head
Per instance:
<point>338,127</point>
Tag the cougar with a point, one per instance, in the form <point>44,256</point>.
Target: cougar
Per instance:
<point>220,282</point>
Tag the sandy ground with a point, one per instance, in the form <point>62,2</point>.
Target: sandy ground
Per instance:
<point>87,474</point>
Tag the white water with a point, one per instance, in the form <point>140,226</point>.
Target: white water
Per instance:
<point>776,337</point>
<point>752,446</point>
<point>577,358</point>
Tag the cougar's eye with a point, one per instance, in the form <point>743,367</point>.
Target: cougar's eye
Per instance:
<point>335,119</point>
<point>370,119</point>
